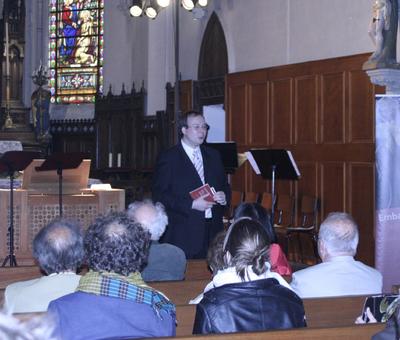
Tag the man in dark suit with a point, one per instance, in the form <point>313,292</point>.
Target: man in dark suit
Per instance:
<point>181,169</point>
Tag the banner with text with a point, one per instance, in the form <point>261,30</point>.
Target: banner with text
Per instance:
<point>387,181</point>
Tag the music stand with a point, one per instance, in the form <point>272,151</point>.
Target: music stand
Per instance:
<point>273,164</point>
<point>229,156</point>
<point>10,162</point>
<point>59,162</point>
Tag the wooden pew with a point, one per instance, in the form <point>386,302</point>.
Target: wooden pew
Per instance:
<point>180,292</point>
<point>197,270</point>
<point>349,332</point>
<point>321,312</point>
<point>353,332</point>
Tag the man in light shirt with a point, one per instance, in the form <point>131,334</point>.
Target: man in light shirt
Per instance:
<point>339,273</point>
<point>58,248</point>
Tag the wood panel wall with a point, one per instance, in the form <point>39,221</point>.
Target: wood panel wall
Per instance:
<point>323,111</point>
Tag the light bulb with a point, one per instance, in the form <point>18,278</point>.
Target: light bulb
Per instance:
<point>135,11</point>
<point>187,4</point>
<point>163,3</point>
<point>151,12</point>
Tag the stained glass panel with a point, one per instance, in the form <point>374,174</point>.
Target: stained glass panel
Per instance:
<point>76,50</point>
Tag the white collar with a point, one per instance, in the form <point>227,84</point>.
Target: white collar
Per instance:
<point>190,150</point>
<point>229,275</point>
<point>62,273</point>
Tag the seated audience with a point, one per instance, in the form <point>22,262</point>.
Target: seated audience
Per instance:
<point>166,261</point>
<point>58,249</point>
<point>339,273</point>
<point>37,328</point>
<point>246,297</point>
<point>277,257</point>
<point>112,301</point>
<point>215,260</point>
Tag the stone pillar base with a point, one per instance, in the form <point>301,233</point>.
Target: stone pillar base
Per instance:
<point>388,77</point>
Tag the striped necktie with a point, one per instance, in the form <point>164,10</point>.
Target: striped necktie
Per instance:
<point>198,163</point>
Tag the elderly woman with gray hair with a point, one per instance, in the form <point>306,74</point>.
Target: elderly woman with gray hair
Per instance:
<point>247,295</point>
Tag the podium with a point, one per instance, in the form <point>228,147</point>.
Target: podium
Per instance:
<point>273,164</point>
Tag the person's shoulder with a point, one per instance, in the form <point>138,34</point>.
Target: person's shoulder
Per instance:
<point>20,285</point>
<point>170,248</point>
<point>368,269</point>
<point>171,152</point>
<point>311,270</point>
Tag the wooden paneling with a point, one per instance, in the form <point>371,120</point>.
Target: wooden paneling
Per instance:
<point>361,126</point>
<point>333,187</point>
<point>281,110</point>
<point>306,114</point>
<point>237,118</point>
<point>361,179</point>
<point>186,95</point>
<point>332,107</point>
<point>258,108</point>
<point>323,111</point>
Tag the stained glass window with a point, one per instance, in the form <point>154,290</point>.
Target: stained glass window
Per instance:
<point>76,50</point>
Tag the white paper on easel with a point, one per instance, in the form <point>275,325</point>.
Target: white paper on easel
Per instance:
<point>293,163</point>
<point>253,162</point>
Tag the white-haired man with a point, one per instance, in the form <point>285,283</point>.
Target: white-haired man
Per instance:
<point>166,261</point>
<point>339,273</point>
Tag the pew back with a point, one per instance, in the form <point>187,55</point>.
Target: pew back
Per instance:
<point>321,312</point>
<point>354,332</point>
<point>180,292</point>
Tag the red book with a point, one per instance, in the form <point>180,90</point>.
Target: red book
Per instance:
<point>204,191</point>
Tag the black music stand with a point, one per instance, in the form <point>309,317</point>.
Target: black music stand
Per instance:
<point>273,164</point>
<point>10,162</point>
<point>59,162</point>
<point>229,156</point>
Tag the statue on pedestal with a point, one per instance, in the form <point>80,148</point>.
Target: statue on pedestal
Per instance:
<point>40,100</point>
<point>383,32</point>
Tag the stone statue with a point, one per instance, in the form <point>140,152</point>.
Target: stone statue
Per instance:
<point>40,100</point>
<point>383,32</point>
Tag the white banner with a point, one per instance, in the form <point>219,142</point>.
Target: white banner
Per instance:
<point>387,181</point>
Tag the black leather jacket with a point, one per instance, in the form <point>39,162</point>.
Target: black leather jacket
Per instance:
<point>249,306</point>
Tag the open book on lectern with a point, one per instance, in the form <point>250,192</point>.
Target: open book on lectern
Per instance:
<point>263,160</point>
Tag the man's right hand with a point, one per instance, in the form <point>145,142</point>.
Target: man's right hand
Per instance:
<point>201,204</point>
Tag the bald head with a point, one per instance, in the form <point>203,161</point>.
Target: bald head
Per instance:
<point>151,216</point>
<point>338,236</point>
<point>59,246</point>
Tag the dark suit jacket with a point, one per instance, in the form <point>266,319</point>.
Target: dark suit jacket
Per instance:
<point>174,177</point>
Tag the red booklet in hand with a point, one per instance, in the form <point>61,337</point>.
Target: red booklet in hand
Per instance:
<point>204,191</point>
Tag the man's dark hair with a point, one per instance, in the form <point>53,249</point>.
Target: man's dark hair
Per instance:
<point>58,246</point>
<point>115,243</point>
<point>183,120</point>
<point>215,254</point>
<point>257,213</point>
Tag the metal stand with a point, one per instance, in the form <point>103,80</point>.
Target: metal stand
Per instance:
<point>11,256</point>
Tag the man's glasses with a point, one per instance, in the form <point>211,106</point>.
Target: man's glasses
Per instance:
<point>197,127</point>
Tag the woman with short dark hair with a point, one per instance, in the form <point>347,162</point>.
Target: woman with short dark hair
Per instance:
<point>247,295</point>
